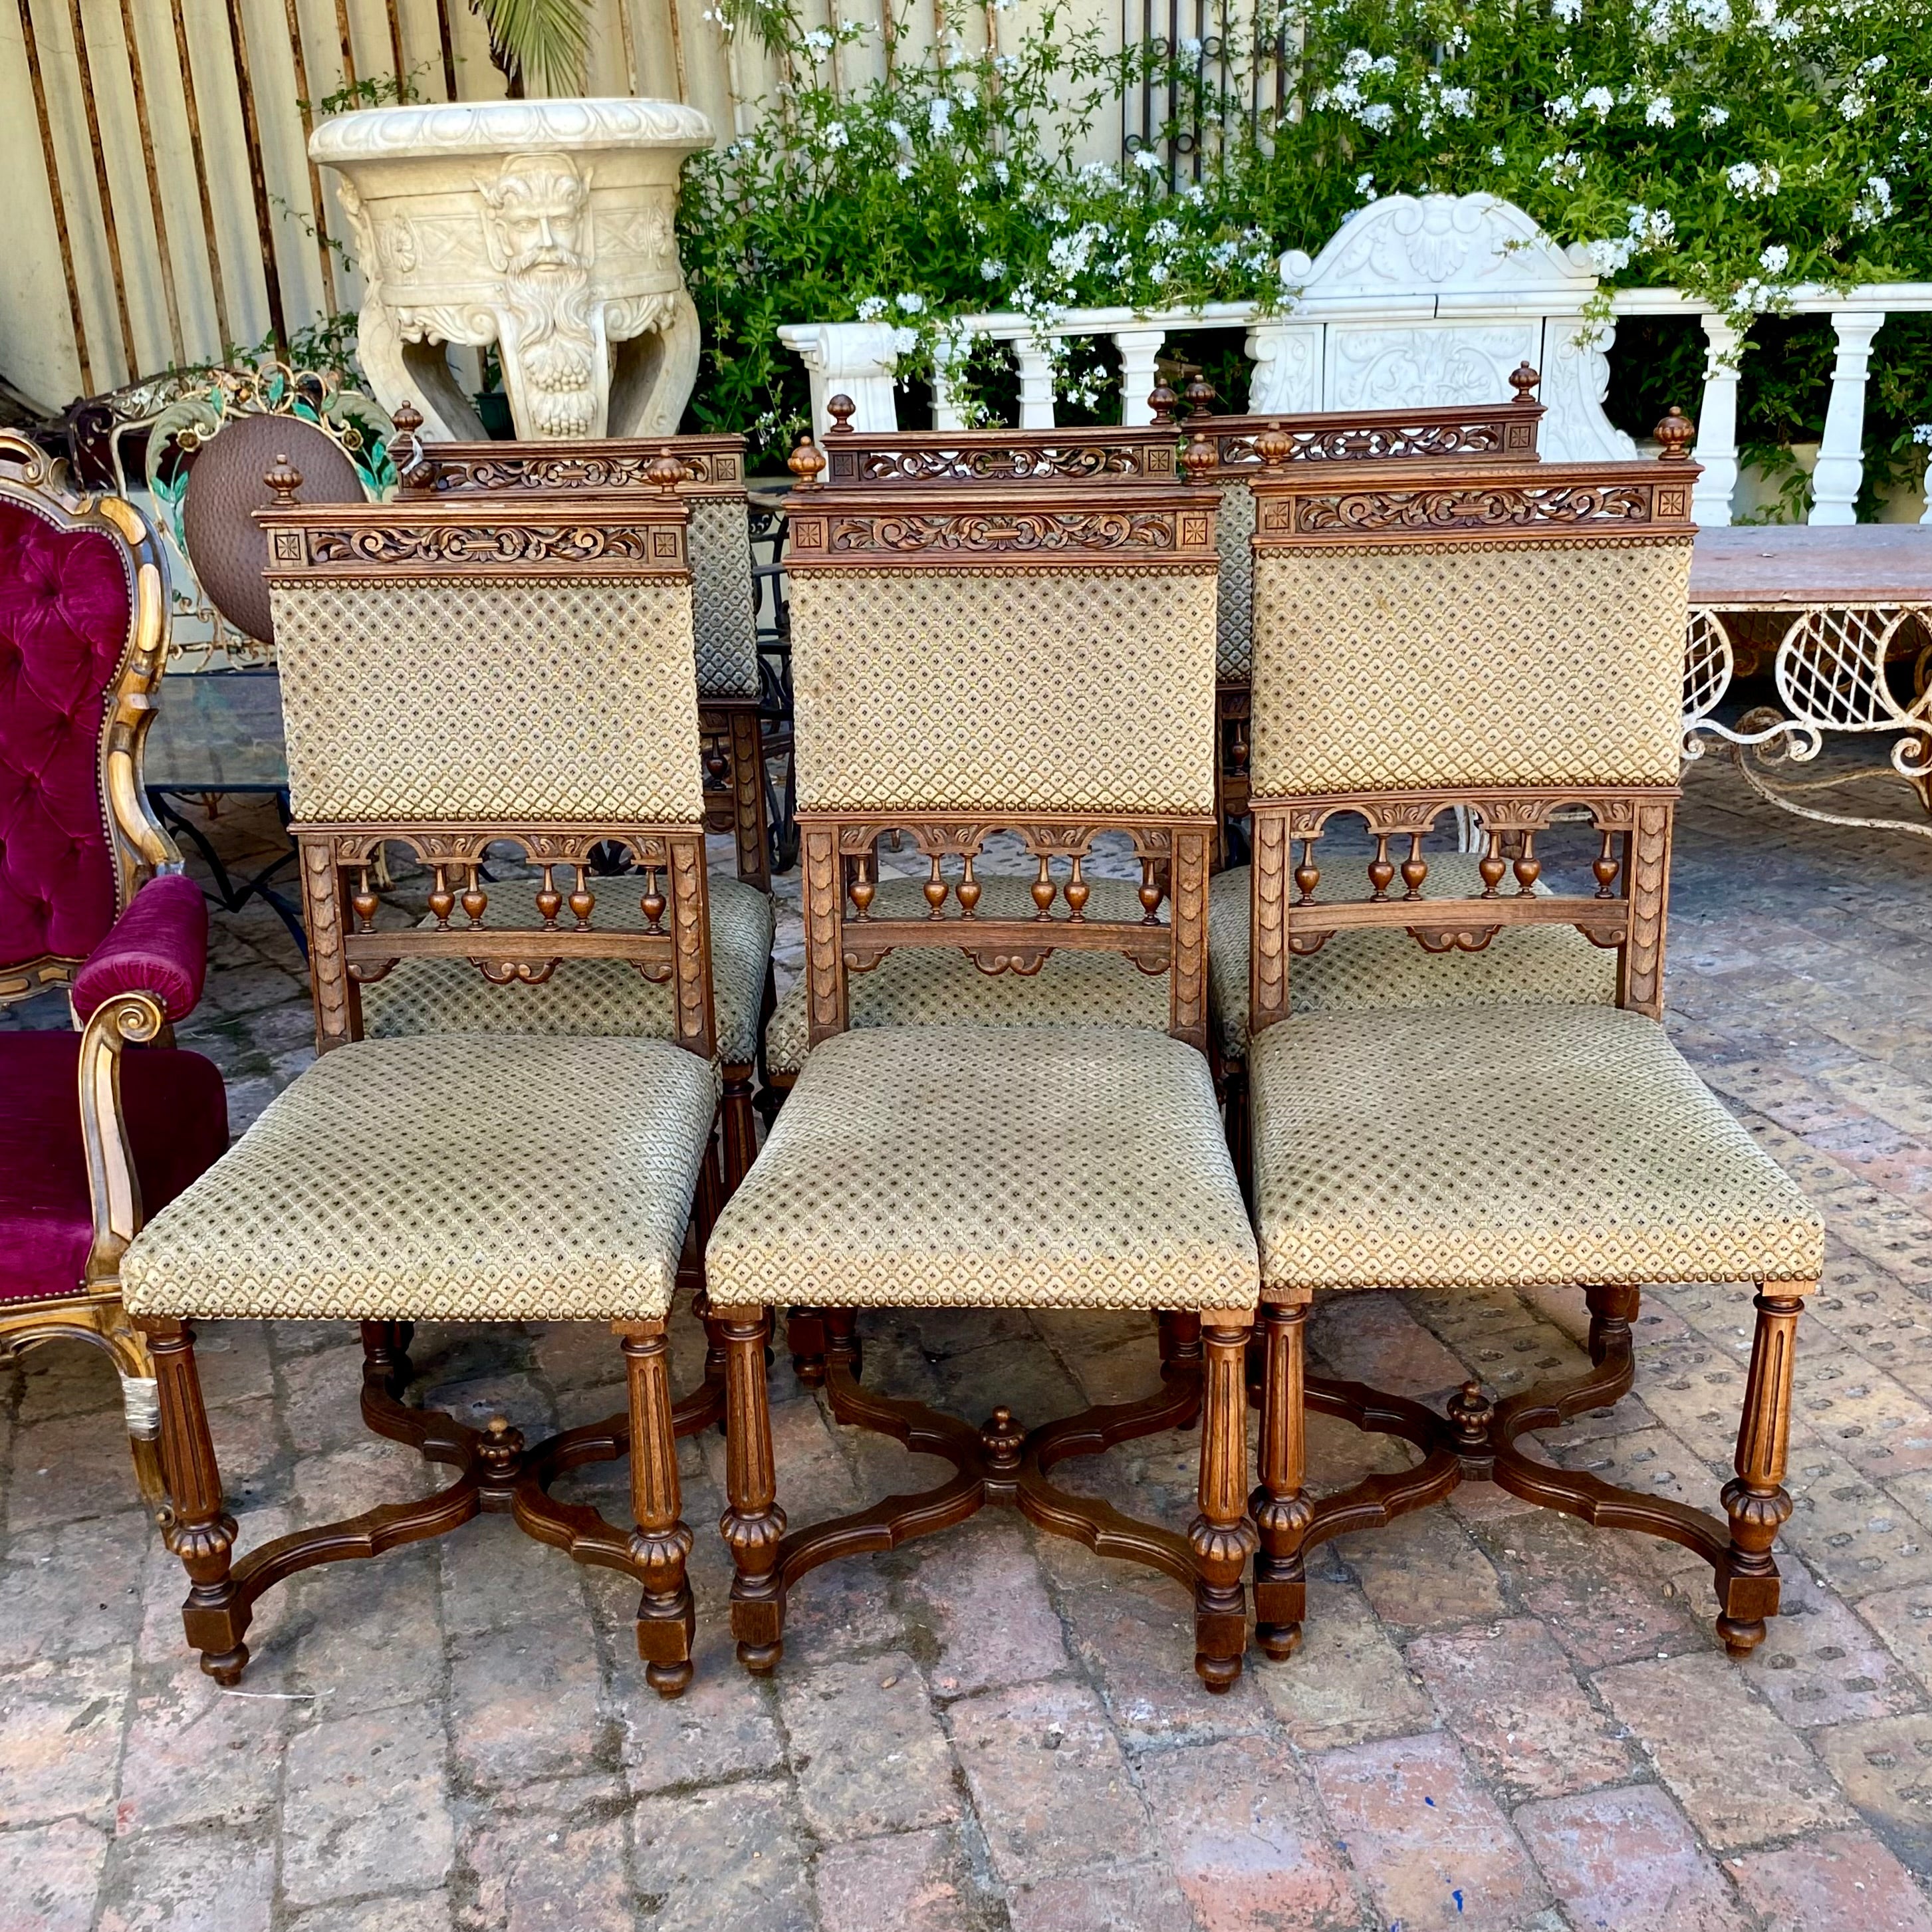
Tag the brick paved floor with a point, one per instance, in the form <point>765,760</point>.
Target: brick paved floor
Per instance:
<point>1500,1719</point>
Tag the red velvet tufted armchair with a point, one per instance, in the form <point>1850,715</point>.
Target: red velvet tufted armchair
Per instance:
<point>91,892</point>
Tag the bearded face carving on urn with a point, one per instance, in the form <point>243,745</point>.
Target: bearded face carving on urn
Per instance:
<point>546,227</point>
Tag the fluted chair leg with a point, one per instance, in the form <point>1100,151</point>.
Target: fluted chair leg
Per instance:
<point>1282,1511</point>
<point>1223,1535</point>
<point>753,1525</point>
<point>660,1542</point>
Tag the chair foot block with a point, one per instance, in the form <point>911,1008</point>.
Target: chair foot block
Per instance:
<point>761,1659</point>
<point>1741,1636</point>
<point>1278,1641</point>
<point>669,1680</point>
<point>225,1666</point>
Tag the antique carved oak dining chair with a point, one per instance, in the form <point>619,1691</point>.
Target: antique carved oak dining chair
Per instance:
<point>1041,661</point>
<point>100,1124</point>
<point>1509,641</point>
<point>605,996</point>
<point>475,1176</point>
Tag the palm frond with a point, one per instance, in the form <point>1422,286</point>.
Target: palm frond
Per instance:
<point>543,41</point>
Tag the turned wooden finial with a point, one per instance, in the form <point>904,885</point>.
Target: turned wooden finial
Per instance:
<point>1274,447</point>
<point>807,460</point>
<point>407,418</point>
<point>1199,460</point>
<point>284,479</point>
<point>1523,380</point>
<point>1199,395</point>
<point>841,409</point>
<point>1164,403</point>
<point>1675,432</point>
<point>417,469</point>
<point>666,471</point>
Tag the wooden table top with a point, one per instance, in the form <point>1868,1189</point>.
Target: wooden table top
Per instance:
<point>1775,566</point>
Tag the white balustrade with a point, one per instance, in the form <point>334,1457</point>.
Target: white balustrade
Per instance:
<point>1416,302</point>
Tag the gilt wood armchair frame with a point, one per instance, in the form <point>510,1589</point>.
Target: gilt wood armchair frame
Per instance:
<point>713,473</point>
<point>1617,504</point>
<point>977,525</point>
<point>140,849</point>
<point>467,540</point>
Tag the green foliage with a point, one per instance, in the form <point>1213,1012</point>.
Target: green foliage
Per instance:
<point>1735,149</point>
<point>541,40</point>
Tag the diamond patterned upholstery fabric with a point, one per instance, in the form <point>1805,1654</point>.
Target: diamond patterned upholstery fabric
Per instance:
<point>1235,614</point>
<point>718,542</point>
<point>1486,1146</point>
<point>923,986</point>
<point>1386,668</point>
<point>976,1167</point>
<point>66,599</point>
<point>1365,971</point>
<point>900,706</point>
<point>594,997</point>
<point>579,701</point>
<point>460,1177</point>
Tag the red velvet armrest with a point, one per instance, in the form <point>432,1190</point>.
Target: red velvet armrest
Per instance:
<point>159,945</point>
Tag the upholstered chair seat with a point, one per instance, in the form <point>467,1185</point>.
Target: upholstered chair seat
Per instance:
<point>454,1178</point>
<point>1359,971</point>
<point>1537,1146</point>
<point>176,1117</point>
<point>939,986</point>
<point>1062,1166</point>
<point>603,996</point>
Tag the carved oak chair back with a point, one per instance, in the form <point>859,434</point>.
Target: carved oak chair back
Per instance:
<point>1506,639</point>
<point>1036,659</point>
<point>711,487</point>
<point>888,458</point>
<point>564,718</point>
<point>83,639</point>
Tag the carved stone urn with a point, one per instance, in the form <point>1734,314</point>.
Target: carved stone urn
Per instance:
<point>547,227</point>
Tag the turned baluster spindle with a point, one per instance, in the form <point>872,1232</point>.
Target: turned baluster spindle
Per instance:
<point>968,891</point>
<point>1078,891</point>
<point>1151,893</point>
<point>1381,870</point>
<point>442,900</point>
<point>653,902</point>
<point>1307,874</point>
<point>1044,889</point>
<point>365,902</point>
<point>935,890</point>
<point>1605,867</point>
<point>1492,864</point>
<point>863,890</point>
<point>582,900</point>
<point>475,900</point>
<point>1527,866</point>
<point>1414,869</point>
<point>549,901</point>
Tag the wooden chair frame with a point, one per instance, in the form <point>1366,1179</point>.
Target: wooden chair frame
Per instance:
<point>140,849</point>
<point>496,1471</point>
<point>1476,1440</point>
<point>972,528</point>
<point>714,470</point>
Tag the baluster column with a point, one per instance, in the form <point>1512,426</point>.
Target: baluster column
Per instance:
<point>1717,448</point>
<point>1841,459</point>
<point>1139,349</point>
<point>1031,352</point>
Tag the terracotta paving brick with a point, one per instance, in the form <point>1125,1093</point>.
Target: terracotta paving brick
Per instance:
<point>1507,1692</point>
<point>1423,1572</point>
<point>1377,1339</point>
<point>1885,1767</point>
<point>1347,1683</point>
<point>1247,1839</point>
<point>537,1873</point>
<point>525,1703</point>
<point>724,1726</point>
<point>981,1593</point>
<point>1821,1663</point>
<point>1143,1897</point>
<point>1837,1878</point>
<point>728,1859</point>
<point>1432,1846</point>
<point>1743,1776</point>
<point>912,1882</point>
<point>401,1912</point>
<point>189,1881</point>
<point>1626,1860</point>
<point>59,1738</point>
<point>50,1876</point>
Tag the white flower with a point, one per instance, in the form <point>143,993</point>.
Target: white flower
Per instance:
<point>1382,63</point>
<point>1147,161</point>
<point>871,308</point>
<point>1775,259</point>
<point>897,129</point>
<point>910,304</point>
<point>991,269</point>
<point>1377,114</point>
<point>1222,255</point>
<point>1713,116</point>
<point>1714,16</point>
<point>1852,103</point>
<point>835,136</point>
<point>1566,170</point>
<point>1356,61</point>
<point>904,171</point>
<point>1497,157</point>
<point>1600,99</point>
<point>1190,47</point>
<point>1568,11</point>
<point>1922,432</point>
<point>1874,204</point>
<point>1157,273</point>
<point>1876,64</point>
<point>939,116</point>
<point>1660,113</point>
<point>1607,257</point>
<point>1163,233</point>
<point>1459,101</point>
<point>1002,173</point>
<point>1563,108</point>
<point>818,40</point>
<point>1753,182</point>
